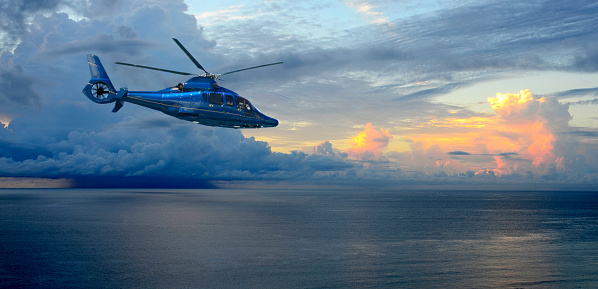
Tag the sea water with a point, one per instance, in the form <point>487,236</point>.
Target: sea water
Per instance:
<point>160,238</point>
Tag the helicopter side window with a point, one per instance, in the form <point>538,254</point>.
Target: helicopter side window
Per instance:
<point>229,100</point>
<point>216,98</point>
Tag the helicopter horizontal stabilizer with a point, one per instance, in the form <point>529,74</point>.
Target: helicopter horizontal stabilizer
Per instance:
<point>117,106</point>
<point>120,95</point>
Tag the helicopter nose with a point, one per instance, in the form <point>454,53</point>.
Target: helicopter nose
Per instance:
<point>270,122</point>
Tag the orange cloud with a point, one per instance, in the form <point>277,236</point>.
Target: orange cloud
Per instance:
<point>521,112</point>
<point>518,138</point>
<point>369,143</point>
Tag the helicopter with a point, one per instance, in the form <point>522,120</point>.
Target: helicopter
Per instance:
<point>199,100</point>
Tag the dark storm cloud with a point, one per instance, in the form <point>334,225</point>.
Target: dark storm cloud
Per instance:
<point>583,133</point>
<point>102,43</point>
<point>186,151</point>
<point>17,90</point>
<point>14,16</point>
<point>459,153</point>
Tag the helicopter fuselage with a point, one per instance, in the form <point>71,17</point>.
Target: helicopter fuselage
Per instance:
<point>201,100</point>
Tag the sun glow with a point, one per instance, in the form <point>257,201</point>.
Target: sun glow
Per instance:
<point>5,120</point>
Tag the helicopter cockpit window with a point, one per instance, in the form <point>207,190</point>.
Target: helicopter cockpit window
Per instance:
<point>215,98</point>
<point>243,103</point>
<point>229,100</point>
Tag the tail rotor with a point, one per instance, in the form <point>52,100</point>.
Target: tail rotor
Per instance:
<point>99,89</point>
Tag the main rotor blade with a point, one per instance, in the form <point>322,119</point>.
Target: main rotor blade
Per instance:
<point>154,68</point>
<point>189,55</point>
<point>250,68</point>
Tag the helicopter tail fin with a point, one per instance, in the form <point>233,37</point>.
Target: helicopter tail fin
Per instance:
<point>99,89</point>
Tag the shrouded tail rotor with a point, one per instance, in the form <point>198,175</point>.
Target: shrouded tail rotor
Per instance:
<point>99,89</point>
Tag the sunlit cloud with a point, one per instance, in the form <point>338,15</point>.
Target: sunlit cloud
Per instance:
<point>369,143</point>
<point>520,137</point>
<point>367,9</point>
<point>5,120</point>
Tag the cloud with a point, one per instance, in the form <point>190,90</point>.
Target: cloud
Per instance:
<point>101,43</point>
<point>55,132</point>
<point>229,13</point>
<point>17,90</point>
<point>523,136</point>
<point>186,152</point>
<point>459,153</point>
<point>324,148</point>
<point>369,143</point>
<point>14,17</point>
<point>367,9</point>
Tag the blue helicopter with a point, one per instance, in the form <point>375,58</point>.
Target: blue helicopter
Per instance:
<point>200,99</point>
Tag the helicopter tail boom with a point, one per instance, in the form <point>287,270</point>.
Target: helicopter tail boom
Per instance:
<point>99,89</point>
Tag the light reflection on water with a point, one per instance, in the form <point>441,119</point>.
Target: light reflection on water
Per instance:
<point>294,238</point>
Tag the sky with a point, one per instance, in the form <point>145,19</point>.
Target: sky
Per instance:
<point>389,94</point>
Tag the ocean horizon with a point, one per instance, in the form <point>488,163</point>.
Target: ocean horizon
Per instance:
<point>283,238</point>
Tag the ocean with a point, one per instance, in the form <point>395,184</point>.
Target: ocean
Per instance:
<point>223,238</point>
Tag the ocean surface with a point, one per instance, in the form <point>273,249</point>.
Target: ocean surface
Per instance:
<point>161,238</point>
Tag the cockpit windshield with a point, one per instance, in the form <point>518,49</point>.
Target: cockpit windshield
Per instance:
<point>243,103</point>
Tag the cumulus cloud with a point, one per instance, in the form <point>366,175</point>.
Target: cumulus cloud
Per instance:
<point>369,143</point>
<point>185,151</point>
<point>17,90</point>
<point>324,148</point>
<point>14,16</point>
<point>523,137</point>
